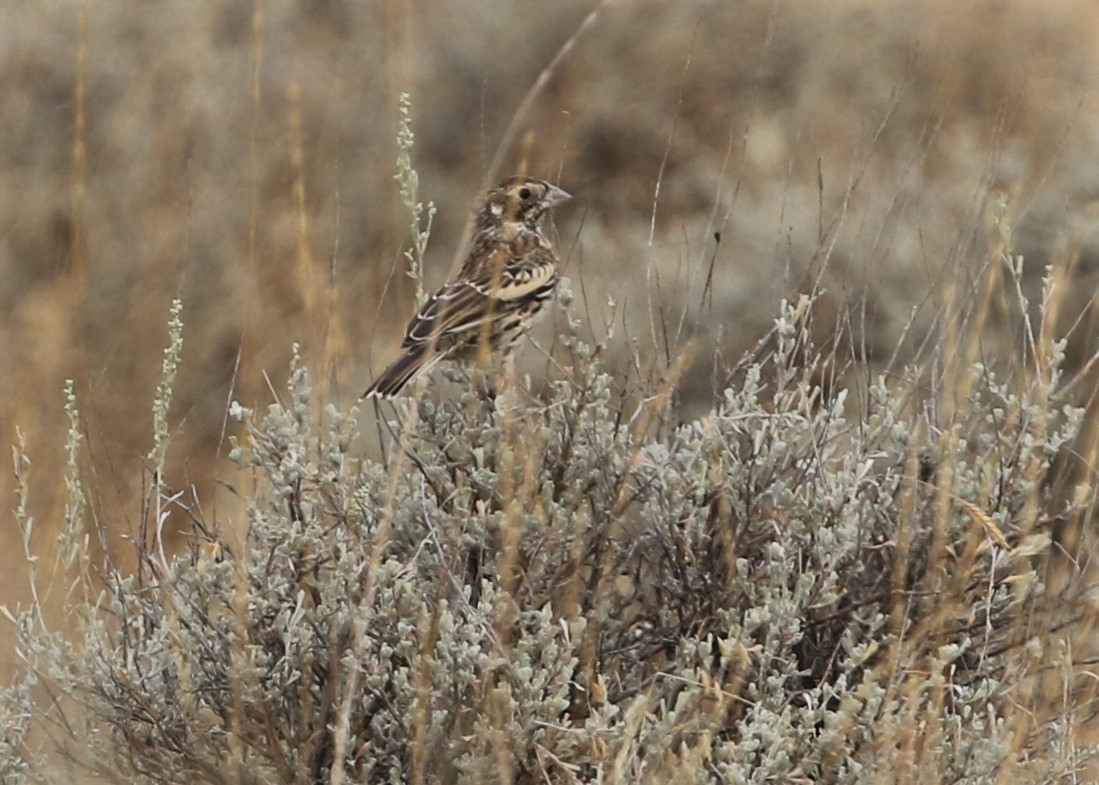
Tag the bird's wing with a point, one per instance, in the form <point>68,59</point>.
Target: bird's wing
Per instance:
<point>525,273</point>
<point>464,305</point>
<point>456,307</point>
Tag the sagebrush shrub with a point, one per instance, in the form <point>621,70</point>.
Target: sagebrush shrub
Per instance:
<point>568,586</point>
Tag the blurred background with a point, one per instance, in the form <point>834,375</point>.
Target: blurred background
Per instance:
<point>241,156</point>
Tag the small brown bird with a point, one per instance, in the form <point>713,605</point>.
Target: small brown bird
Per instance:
<point>501,287</point>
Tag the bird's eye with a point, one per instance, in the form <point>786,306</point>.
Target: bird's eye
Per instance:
<point>524,193</point>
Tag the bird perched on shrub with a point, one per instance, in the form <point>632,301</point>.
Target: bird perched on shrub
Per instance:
<point>510,272</point>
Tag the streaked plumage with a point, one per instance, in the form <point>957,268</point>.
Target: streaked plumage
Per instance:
<point>501,287</point>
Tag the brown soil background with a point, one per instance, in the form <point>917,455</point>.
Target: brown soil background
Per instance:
<point>241,156</point>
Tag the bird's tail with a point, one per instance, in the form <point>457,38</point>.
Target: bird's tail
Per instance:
<point>401,372</point>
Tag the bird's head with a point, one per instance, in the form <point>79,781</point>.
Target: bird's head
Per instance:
<point>520,201</point>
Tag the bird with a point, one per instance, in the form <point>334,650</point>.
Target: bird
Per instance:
<point>502,285</point>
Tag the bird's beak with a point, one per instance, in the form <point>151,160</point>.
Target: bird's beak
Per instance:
<point>555,196</point>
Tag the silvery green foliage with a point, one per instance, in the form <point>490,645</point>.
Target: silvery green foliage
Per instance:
<point>15,720</point>
<point>568,588</point>
<point>409,182</point>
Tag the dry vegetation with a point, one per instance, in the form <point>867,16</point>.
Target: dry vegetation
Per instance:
<point>859,554</point>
